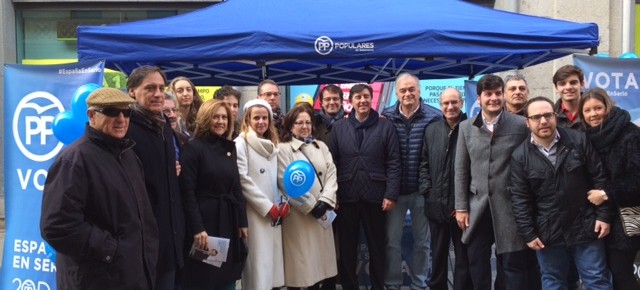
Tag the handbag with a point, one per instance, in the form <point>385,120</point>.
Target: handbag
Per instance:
<point>630,218</point>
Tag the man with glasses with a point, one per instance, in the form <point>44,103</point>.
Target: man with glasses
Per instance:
<point>552,172</point>
<point>331,99</point>
<point>516,94</point>
<point>269,91</point>
<point>482,202</point>
<point>410,116</point>
<point>95,210</point>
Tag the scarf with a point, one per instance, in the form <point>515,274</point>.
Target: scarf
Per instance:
<point>264,147</point>
<point>157,120</point>
<point>328,119</point>
<point>609,131</point>
<point>371,120</point>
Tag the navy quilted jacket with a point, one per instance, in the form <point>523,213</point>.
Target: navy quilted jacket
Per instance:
<point>410,132</point>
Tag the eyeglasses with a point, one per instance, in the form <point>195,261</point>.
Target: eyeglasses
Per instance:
<point>269,94</point>
<point>303,123</point>
<point>114,112</point>
<point>547,116</point>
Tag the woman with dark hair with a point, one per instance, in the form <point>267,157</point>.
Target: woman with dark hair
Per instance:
<point>617,141</point>
<point>212,198</point>
<point>188,99</point>
<point>309,248</point>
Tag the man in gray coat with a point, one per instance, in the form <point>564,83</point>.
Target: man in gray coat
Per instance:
<point>482,201</point>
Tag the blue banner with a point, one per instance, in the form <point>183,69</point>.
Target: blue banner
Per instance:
<point>618,76</point>
<point>33,96</point>
<point>471,104</point>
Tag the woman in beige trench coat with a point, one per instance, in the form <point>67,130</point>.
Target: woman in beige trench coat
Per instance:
<point>309,249</point>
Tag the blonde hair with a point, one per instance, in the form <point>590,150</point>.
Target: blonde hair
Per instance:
<point>204,116</point>
<point>271,133</point>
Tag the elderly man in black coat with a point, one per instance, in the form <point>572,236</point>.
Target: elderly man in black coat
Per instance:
<point>95,209</point>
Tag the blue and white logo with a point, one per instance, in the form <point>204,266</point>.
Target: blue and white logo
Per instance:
<point>33,126</point>
<point>298,178</point>
<point>324,45</point>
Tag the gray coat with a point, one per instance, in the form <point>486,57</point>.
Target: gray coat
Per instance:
<point>482,175</point>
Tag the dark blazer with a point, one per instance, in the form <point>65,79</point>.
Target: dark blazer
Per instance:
<point>436,169</point>
<point>96,214</point>
<point>367,159</point>
<point>214,203</point>
<point>155,148</point>
<point>550,202</point>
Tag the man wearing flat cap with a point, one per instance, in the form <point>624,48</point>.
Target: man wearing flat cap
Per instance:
<point>95,210</point>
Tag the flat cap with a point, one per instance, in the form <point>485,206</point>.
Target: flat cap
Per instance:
<point>106,97</point>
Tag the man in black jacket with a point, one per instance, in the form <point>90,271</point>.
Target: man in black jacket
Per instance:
<point>436,184</point>
<point>155,148</point>
<point>95,209</point>
<point>552,173</point>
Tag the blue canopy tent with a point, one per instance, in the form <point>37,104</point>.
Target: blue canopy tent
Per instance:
<point>240,42</point>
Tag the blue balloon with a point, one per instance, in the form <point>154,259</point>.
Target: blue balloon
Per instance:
<point>602,54</point>
<point>79,101</point>
<point>298,178</point>
<point>66,128</point>
<point>628,55</point>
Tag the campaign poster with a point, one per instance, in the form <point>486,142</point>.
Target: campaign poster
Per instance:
<point>618,76</point>
<point>33,96</point>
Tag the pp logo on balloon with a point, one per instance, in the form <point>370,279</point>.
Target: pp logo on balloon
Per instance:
<point>298,178</point>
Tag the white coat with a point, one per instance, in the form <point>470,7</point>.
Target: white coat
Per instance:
<point>258,164</point>
<point>309,249</point>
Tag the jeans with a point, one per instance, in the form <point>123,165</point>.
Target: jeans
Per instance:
<point>589,257</point>
<point>419,227</point>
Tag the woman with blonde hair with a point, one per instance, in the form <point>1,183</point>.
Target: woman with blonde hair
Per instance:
<point>188,99</point>
<point>258,165</point>
<point>212,198</point>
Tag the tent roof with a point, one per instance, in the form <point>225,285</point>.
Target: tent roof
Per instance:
<point>240,42</point>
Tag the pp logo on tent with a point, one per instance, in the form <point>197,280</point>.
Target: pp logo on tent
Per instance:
<point>324,45</point>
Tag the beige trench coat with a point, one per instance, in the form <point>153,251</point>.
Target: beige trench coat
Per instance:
<point>309,249</point>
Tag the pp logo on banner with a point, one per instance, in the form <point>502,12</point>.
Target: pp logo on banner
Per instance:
<point>33,126</point>
<point>30,285</point>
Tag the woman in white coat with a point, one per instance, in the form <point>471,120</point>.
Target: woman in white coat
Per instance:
<point>309,248</point>
<point>258,164</point>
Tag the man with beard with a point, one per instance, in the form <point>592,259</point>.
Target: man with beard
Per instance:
<point>552,173</point>
<point>331,99</point>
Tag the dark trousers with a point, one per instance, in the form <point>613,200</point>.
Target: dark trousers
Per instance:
<point>441,235</point>
<point>621,266</point>
<point>166,280</point>
<point>372,218</point>
<point>479,253</point>
<point>521,270</point>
